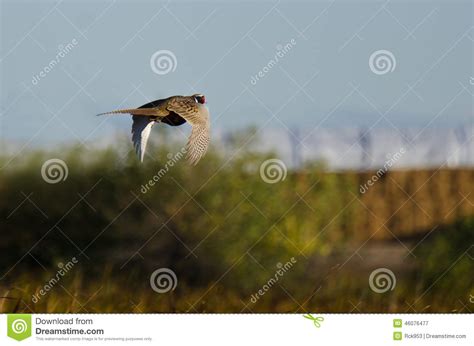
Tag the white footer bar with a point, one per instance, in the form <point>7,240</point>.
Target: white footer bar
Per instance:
<point>237,329</point>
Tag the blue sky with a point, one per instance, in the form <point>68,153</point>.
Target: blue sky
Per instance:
<point>323,80</point>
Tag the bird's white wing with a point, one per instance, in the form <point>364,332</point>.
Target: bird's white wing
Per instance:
<point>141,129</point>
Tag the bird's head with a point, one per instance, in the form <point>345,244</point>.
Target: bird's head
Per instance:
<point>200,98</point>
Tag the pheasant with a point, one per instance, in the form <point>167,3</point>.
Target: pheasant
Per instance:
<point>173,111</point>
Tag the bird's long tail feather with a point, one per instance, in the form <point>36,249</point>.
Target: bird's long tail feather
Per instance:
<point>133,111</point>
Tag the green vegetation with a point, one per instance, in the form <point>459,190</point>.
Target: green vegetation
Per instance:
<point>221,229</point>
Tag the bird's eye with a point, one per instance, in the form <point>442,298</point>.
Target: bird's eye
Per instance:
<point>199,99</point>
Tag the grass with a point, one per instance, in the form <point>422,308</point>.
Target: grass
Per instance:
<point>225,242</point>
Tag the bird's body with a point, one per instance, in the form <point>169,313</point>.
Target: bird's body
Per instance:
<point>173,111</point>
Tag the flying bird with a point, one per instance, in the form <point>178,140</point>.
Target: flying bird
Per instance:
<point>173,111</point>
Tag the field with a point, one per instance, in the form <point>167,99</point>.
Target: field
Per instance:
<point>226,234</point>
